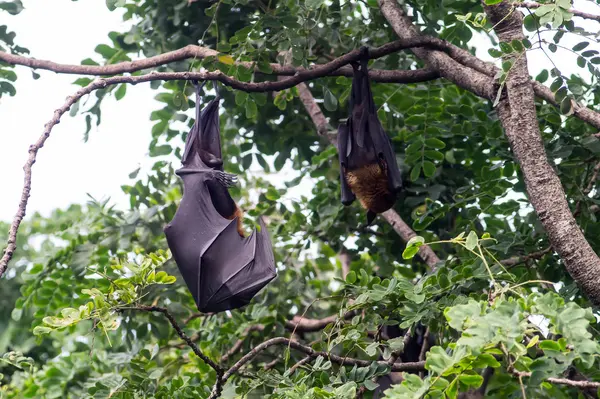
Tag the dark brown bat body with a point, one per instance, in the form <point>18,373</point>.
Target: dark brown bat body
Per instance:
<point>368,167</point>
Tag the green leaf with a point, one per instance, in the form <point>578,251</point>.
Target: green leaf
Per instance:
<point>120,92</point>
<point>435,143</point>
<point>492,2</point>
<point>517,45</point>
<point>495,53</point>
<point>240,97</point>
<point>434,154</point>
<point>428,168</point>
<point>580,46</point>
<point>566,106</point>
<point>438,361</point>
<point>471,380</point>
<point>351,277</point>
<point>415,172</point>
<point>330,101</point>
<point>412,247</point>
<point>16,314</point>
<point>542,76</point>
<point>370,385</point>
<point>105,51</point>
<point>415,120</point>
<point>251,109</point>
<point>472,241</point>
<point>160,150</point>
<point>556,84</point>
<point>40,330</point>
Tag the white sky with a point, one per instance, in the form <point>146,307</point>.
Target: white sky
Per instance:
<point>66,168</point>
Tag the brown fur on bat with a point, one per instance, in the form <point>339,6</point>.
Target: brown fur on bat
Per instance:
<point>238,213</point>
<point>370,185</point>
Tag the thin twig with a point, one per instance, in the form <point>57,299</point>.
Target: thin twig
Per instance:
<point>240,342</point>
<point>562,381</point>
<point>517,260</point>
<point>300,363</point>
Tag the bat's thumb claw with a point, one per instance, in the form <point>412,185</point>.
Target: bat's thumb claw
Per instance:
<point>226,179</point>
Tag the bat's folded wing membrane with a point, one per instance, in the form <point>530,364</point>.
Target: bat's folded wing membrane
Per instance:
<point>194,227</point>
<point>234,269</point>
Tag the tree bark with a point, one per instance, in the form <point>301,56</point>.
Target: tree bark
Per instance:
<point>518,116</point>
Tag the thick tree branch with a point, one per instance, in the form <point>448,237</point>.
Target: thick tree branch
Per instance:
<point>345,260</point>
<point>577,13</point>
<point>519,119</point>
<point>197,52</point>
<point>451,67</point>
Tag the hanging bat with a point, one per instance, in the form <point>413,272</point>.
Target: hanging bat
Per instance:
<point>222,269</point>
<point>368,167</point>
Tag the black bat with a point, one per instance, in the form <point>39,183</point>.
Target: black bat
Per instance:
<point>368,167</point>
<point>222,269</point>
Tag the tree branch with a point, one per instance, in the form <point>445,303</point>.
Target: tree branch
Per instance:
<point>406,233</point>
<point>450,66</point>
<point>518,116</point>
<point>300,324</point>
<point>345,260</point>
<point>188,341</point>
<point>198,52</point>
<point>562,381</point>
<point>517,260</point>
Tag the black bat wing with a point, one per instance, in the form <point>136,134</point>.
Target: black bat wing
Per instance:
<point>344,144</point>
<point>378,137</point>
<point>373,135</point>
<point>221,269</point>
<point>204,137</point>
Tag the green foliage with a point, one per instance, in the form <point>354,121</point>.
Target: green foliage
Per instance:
<point>70,323</point>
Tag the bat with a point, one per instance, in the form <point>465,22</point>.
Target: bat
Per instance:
<point>368,167</point>
<point>222,269</point>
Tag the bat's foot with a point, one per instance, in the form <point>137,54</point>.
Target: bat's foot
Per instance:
<point>370,218</point>
<point>226,179</point>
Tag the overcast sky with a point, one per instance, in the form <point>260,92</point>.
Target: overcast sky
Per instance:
<point>67,168</point>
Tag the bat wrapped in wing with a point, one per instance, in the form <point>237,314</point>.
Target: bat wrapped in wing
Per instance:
<point>368,167</point>
<point>222,269</point>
